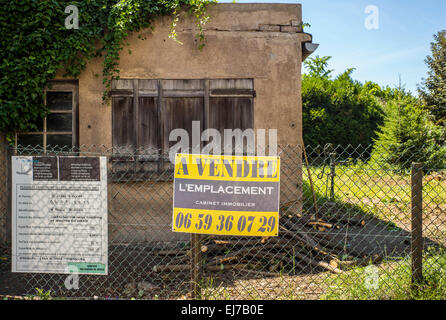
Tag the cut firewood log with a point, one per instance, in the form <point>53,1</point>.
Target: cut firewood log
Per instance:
<point>349,221</point>
<point>339,247</point>
<point>171,267</point>
<point>321,224</point>
<point>239,243</point>
<point>220,260</point>
<point>304,243</point>
<point>334,263</point>
<point>309,241</point>
<point>241,266</point>
<point>290,262</point>
<point>299,235</point>
<point>181,259</point>
<point>348,264</point>
<point>232,256</point>
<point>306,221</point>
<point>316,263</point>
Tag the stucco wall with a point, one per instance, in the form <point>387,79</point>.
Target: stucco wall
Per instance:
<point>259,41</point>
<point>243,41</point>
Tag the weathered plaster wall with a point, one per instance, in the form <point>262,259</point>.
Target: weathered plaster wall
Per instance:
<point>259,41</point>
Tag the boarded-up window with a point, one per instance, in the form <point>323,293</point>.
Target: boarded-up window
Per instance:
<point>123,128</point>
<point>149,129</point>
<point>231,106</point>
<point>146,111</point>
<point>183,103</point>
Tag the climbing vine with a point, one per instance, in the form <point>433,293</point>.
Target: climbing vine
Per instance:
<point>36,45</point>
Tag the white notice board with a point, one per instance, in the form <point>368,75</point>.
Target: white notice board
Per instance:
<point>59,214</point>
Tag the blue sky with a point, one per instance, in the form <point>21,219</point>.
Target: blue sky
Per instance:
<point>398,46</point>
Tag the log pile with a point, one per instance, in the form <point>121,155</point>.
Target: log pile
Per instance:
<point>304,245</point>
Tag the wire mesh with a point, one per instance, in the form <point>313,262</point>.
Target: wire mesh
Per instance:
<point>345,232</point>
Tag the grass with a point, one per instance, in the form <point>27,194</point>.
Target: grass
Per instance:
<point>384,194</point>
<point>391,281</point>
<point>361,190</point>
<point>366,191</point>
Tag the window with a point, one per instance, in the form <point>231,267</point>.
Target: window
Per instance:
<point>146,111</point>
<point>59,128</point>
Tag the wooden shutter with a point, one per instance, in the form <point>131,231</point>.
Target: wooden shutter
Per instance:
<point>230,113</point>
<point>149,129</point>
<point>183,102</point>
<point>231,104</point>
<point>178,113</point>
<point>123,124</point>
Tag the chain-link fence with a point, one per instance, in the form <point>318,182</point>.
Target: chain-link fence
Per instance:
<point>349,229</point>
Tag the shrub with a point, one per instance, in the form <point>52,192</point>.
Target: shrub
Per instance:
<point>409,134</point>
<point>340,111</point>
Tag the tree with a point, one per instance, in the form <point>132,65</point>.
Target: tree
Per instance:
<point>341,111</point>
<point>433,89</point>
<point>317,67</point>
<point>408,133</point>
<point>36,45</point>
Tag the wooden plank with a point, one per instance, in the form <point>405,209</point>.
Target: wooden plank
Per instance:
<point>179,113</point>
<point>123,128</point>
<point>122,84</point>
<point>148,93</point>
<point>233,92</point>
<point>147,88</point>
<point>148,84</point>
<point>135,113</point>
<point>121,93</point>
<point>232,84</point>
<point>182,84</point>
<point>184,93</point>
<point>148,123</point>
<point>206,103</point>
<point>231,113</point>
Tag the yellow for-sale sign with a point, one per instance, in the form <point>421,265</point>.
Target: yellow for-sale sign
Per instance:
<point>226,195</point>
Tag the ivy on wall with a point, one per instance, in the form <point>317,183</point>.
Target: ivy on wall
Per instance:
<point>36,44</point>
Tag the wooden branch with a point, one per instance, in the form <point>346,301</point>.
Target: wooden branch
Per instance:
<point>316,263</point>
<point>346,265</point>
<point>299,235</point>
<point>171,267</point>
<point>240,266</point>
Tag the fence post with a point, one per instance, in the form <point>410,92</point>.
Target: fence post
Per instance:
<point>195,260</point>
<point>417,222</point>
<point>332,174</point>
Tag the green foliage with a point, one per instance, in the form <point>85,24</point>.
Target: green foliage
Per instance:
<point>341,111</point>
<point>433,89</point>
<point>317,67</point>
<point>43,295</point>
<point>35,45</point>
<point>409,129</point>
<point>392,281</point>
